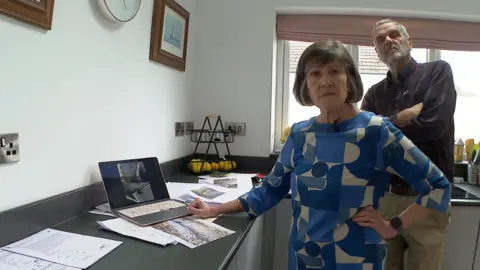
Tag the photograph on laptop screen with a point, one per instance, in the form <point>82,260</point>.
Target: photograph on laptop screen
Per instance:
<point>135,184</point>
<point>193,232</point>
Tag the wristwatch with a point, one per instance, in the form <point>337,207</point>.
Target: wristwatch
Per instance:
<point>396,223</point>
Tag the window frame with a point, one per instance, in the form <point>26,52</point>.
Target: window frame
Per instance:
<point>282,92</point>
<point>282,85</point>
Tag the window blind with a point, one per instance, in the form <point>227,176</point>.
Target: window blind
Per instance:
<point>357,30</point>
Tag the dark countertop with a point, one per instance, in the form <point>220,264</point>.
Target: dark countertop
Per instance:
<point>214,255</point>
<point>462,194</point>
<point>470,196</point>
<point>185,177</point>
<point>137,254</point>
<point>68,212</point>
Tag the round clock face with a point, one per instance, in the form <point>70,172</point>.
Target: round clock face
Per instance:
<point>122,10</point>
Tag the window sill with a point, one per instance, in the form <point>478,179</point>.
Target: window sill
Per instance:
<point>276,152</point>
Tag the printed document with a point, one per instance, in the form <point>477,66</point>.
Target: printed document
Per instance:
<point>65,248</point>
<point>238,182</point>
<point>100,212</point>
<point>14,261</point>
<point>148,234</point>
<point>193,232</point>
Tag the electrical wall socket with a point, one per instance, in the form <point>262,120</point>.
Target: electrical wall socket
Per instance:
<point>9,148</point>
<point>179,129</point>
<point>189,127</point>
<point>238,128</point>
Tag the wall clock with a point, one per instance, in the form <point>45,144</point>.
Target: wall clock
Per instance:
<point>119,10</point>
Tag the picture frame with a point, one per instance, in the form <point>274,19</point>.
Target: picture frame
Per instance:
<point>35,12</point>
<point>169,34</point>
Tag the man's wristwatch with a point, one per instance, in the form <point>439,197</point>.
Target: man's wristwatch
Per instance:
<point>396,224</point>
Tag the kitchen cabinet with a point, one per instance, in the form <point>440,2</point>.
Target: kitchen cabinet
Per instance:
<point>249,254</point>
<point>461,239</point>
<point>283,215</point>
<point>476,264</point>
<point>233,264</point>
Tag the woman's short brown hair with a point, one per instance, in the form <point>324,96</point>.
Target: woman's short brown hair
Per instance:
<point>324,52</point>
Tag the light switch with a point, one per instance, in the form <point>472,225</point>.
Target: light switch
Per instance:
<point>9,148</point>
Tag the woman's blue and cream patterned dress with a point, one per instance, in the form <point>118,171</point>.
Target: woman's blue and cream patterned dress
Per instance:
<point>333,171</point>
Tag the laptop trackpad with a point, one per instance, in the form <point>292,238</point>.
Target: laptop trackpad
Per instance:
<point>162,216</point>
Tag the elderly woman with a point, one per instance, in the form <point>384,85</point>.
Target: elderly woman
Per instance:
<point>337,166</point>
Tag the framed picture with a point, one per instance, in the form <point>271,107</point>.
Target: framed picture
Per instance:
<point>169,37</point>
<point>35,12</point>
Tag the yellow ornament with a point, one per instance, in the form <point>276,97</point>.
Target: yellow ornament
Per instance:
<point>285,133</point>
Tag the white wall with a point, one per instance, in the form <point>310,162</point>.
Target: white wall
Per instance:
<point>235,78</point>
<point>86,92</point>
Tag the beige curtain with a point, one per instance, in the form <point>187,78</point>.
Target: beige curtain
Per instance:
<point>357,30</point>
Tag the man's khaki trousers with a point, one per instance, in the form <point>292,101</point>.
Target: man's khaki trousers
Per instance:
<point>420,247</point>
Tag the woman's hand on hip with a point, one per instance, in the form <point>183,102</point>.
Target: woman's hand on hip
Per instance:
<point>369,217</point>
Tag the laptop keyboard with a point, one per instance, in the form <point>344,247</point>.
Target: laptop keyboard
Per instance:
<point>150,208</point>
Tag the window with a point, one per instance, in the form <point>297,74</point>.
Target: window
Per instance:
<point>296,112</point>
<point>289,111</point>
<point>464,66</point>
<point>372,70</point>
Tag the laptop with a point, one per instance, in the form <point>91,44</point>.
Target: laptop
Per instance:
<point>136,191</point>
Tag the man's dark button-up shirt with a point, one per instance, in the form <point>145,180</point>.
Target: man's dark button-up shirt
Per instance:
<point>434,128</point>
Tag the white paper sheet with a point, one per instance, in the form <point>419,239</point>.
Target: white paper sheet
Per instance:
<point>104,207</point>
<point>100,212</point>
<point>243,181</point>
<point>180,191</point>
<point>65,248</point>
<point>208,192</point>
<point>148,234</point>
<point>183,191</point>
<point>176,190</point>
<point>209,195</point>
<point>193,232</point>
<point>226,182</point>
<point>14,261</point>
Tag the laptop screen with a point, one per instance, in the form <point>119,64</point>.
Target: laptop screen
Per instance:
<point>132,182</point>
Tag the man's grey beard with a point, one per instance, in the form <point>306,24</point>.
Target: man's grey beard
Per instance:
<point>401,53</point>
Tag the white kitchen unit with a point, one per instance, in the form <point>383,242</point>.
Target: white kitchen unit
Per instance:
<point>476,263</point>
<point>249,254</point>
<point>283,215</point>
<point>461,241</point>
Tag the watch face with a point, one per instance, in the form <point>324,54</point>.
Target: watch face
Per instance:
<point>123,10</point>
<point>396,223</point>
